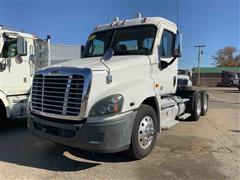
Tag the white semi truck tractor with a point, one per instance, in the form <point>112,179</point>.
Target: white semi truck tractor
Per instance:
<point>21,54</point>
<point>121,93</point>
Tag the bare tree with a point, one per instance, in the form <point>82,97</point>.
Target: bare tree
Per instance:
<point>227,57</point>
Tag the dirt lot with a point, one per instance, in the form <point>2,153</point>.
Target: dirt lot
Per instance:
<point>206,149</point>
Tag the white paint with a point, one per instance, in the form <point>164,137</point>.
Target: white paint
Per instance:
<point>16,79</point>
<point>134,76</point>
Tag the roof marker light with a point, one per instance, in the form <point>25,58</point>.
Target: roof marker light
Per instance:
<point>116,19</point>
<point>118,23</point>
<point>96,28</point>
<point>124,22</point>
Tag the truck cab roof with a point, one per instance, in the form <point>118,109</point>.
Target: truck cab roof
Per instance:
<point>9,31</point>
<point>116,23</point>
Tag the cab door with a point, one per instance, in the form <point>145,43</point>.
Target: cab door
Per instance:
<point>15,78</point>
<point>167,76</point>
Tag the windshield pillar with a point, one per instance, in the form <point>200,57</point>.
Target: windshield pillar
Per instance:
<point>1,42</point>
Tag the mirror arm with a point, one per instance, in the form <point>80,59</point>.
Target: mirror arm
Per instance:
<point>3,65</point>
<point>109,76</point>
<point>172,61</point>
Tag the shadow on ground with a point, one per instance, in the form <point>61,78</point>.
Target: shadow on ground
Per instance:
<point>18,146</point>
<point>233,90</point>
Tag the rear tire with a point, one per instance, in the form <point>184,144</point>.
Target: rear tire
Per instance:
<point>196,107</point>
<point>204,106</point>
<point>3,115</point>
<point>144,133</point>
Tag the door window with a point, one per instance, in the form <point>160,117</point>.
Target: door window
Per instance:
<point>166,46</point>
<point>9,48</point>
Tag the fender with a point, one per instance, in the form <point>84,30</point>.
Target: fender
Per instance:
<point>3,98</point>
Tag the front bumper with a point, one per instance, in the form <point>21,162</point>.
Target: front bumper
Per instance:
<point>107,135</point>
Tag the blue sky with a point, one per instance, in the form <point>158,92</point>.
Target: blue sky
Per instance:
<point>215,23</point>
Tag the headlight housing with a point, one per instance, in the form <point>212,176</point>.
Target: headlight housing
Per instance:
<point>107,106</point>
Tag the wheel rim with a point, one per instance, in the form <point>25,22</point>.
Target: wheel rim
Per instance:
<point>205,104</point>
<point>146,132</point>
<point>198,107</point>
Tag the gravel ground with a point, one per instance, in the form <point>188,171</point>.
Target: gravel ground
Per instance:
<point>206,149</point>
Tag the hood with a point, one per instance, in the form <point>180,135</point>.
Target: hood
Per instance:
<point>115,63</point>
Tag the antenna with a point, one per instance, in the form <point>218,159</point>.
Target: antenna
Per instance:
<point>1,11</point>
<point>177,12</point>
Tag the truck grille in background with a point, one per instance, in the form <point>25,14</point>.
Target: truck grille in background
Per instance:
<point>60,95</point>
<point>182,82</point>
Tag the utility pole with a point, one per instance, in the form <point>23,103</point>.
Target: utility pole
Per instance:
<point>200,52</point>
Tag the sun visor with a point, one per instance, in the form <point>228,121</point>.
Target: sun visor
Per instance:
<point>11,35</point>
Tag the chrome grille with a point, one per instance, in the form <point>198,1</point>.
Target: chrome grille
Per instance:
<point>182,82</point>
<point>60,95</point>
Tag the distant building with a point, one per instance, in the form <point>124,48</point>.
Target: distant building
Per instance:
<point>210,76</point>
<point>61,53</point>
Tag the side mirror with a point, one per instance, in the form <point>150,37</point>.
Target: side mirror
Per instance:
<point>82,50</point>
<point>18,59</point>
<point>108,54</point>
<point>21,46</point>
<point>178,45</point>
<point>2,66</point>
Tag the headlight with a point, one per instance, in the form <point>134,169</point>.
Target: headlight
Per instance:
<point>109,105</point>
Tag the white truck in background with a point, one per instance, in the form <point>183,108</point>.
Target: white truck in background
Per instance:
<point>21,54</point>
<point>184,79</point>
<point>121,93</point>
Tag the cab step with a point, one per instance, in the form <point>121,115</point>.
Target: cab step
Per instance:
<point>184,116</point>
<point>167,125</point>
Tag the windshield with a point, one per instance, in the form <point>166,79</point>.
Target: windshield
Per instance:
<point>136,40</point>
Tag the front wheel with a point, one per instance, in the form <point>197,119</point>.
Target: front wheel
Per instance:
<point>144,133</point>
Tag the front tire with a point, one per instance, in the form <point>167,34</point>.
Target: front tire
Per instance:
<point>144,133</point>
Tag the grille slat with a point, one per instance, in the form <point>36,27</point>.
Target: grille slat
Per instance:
<point>78,99</point>
<point>56,83</point>
<point>60,95</point>
<point>47,109</point>
<point>54,101</point>
<point>57,106</point>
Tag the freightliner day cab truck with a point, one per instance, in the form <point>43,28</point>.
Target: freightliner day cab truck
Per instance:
<point>21,54</point>
<point>120,94</point>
